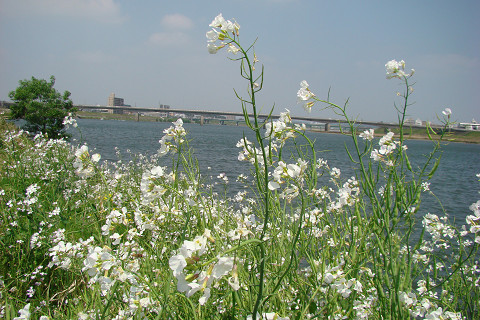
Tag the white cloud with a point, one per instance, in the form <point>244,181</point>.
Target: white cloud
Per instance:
<point>177,21</point>
<point>100,10</point>
<point>168,39</point>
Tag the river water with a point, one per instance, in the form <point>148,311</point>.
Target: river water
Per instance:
<point>455,181</point>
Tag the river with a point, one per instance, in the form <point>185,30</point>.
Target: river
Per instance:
<point>455,181</point>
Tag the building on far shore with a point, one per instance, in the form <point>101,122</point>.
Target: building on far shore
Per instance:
<point>116,102</point>
<point>474,126</point>
<point>411,121</point>
<point>165,108</point>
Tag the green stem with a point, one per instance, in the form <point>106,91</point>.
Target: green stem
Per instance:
<point>264,184</point>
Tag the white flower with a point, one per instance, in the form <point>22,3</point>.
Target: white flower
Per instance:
<point>222,267</point>
<point>176,133</point>
<point>69,121</point>
<point>396,70</point>
<point>226,27</point>
<point>233,49</point>
<point>273,185</point>
<point>212,48</point>
<point>203,299</point>
<point>233,280</point>
<point>335,172</point>
<point>425,186</point>
<point>408,300</point>
<point>293,170</point>
<point>96,157</point>
<point>368,134</point>
<point>24,313</point>
<point>116,238</point>
<point>31,189</point>
<point>177,263</point>
<point>269,316</point>
<point>447,112</point>
<point>217,22</point>
<point>83,162</point>
<point>304,95</point>
<point>435,314</point>
<point>212,35</point>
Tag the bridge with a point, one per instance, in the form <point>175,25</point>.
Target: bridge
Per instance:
<point>205,115</point>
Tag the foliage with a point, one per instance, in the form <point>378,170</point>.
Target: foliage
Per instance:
<point>43,107</point>
<point>137,240</point>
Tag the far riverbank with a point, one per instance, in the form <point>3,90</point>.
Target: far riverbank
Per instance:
<point>410,134</point>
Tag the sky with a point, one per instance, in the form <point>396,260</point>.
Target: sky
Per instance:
<point>153,52</point>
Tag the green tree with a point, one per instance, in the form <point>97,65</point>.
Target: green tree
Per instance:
<point>41,106</point>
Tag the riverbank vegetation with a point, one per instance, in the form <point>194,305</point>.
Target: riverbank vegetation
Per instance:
<point>410,133</point>
<point>41,106</point>
<point>86,239</point>
<point>445,134</point>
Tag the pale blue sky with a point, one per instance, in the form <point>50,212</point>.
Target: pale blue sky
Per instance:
<point>154,51</point>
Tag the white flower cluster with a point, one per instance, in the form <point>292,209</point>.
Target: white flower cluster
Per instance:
<point>474,220</point>
<point>151,184</point>
<point>223,177</point>
<point>115,217</point>
<point>221,30</point>
<point>305,96</point>
<point>347,195</point>
<point>293,172</point>
<point>397,70</point>
<point>280,130</point>
<point>105,267</point>
<point>190,271</point>
<point>387,146</point>
<point>335,278</point>
<point>10,136</point>
<point>425,308</point>
<point>176,133</point>
<point>438,230</point>
<point>31,198</point>
<point>83,164</point>
<point>250,153</point>
<point>63,252</point>
<point>367,134</point>
<point>69,120</point>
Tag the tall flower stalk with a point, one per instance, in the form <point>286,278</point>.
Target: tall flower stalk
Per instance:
<point>227,32</point>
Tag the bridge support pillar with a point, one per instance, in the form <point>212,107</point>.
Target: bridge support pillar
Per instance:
<point>327,127</point>
<point>202,119</point>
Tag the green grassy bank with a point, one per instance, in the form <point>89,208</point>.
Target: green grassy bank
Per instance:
<point>80,240</point>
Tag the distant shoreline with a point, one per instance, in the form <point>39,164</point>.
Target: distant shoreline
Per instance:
<point>471,137</point>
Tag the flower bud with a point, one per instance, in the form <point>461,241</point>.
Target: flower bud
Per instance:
<point>192,276</point>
